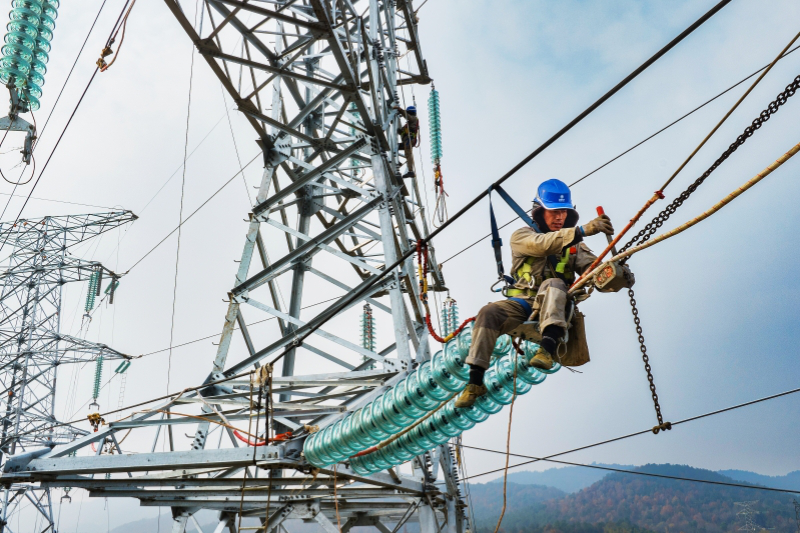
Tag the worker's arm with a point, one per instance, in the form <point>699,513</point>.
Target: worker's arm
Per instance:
<point>584,259</point>
<point>401,111</point>
<point>527,242</point>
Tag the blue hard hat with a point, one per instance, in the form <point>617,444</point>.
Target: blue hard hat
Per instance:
<point>411,110</point>
<point>554,194</point>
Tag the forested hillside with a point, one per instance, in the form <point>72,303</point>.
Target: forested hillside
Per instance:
<point>623,502</point>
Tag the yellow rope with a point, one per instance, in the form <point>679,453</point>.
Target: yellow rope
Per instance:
<point>683,227</point>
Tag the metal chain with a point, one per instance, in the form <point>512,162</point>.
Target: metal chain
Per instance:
<point>661,425</point>
<point>650,229</point>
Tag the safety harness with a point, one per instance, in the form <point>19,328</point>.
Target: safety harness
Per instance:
<point>557,266</point>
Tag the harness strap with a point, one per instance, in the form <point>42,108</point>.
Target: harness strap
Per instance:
<point>525,305</point>
<point>497,243</point>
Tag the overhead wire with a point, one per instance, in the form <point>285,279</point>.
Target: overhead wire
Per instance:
<point>647,431</point>
<point>69,74</point>
<point>638,472</point>
<point>358,293</point>
<point>183,189</point>
<point>659,194</point>
<point>192,213</point>
<point>638,144</point>
<point>61,135</point>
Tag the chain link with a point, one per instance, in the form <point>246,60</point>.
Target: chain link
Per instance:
<point>636,320</point>
<point>650,229</point>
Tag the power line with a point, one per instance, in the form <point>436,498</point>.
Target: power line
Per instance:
<point>236,328</point>
<point>357,293</point>
<point>637,472</point>
<point>57,201</point>
<point>193,213</point>
<point>623,437</point>
<point>69,75</point>
<point>638,144</point>
<point>64,131</point>
<point>679,119</point>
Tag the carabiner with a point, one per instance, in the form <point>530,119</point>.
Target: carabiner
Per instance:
<point>501,280</point>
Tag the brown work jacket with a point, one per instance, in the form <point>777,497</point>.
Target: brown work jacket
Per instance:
<point>526,243</point>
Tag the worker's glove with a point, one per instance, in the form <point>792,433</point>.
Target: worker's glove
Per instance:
<point>601,224</point>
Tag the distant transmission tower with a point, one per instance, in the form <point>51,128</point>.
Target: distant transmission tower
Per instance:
<point>797,513</point>
<point>32,346</point>
<point>747,514</point>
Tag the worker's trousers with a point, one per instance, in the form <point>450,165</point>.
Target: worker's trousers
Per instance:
<point>499,318</point>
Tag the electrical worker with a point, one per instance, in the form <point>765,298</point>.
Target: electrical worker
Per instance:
<point>541,283</point>
<point>409,135</point>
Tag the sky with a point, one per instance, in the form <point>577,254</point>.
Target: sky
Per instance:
<point>718,303</point>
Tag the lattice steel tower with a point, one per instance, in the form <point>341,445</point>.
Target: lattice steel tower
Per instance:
<point>32,346</point>
<point>317,81</point>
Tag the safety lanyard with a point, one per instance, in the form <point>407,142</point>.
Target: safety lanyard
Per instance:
<point>497,242</point>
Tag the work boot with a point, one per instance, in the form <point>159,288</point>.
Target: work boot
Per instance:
<point>470,395</point>
<point>410,174</point>
<point>541,359</point>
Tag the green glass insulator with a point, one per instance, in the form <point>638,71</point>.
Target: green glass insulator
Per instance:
<point>401,450</point>
<point>18,51</point>
<point>338,438</point>
<point>393,454</point>
<point>371,417</point>
<point>309,450</point>
<point>454,361</point>
<point>408,442</point>
<point>329,448</point>
<point>384,422</point>
<point>474,413</point>
<point>505,374</point>
<point>463,341</point>
<point>458,417</point>
<point>360,433</point>
<point>495,389</point>
<point>378,459</point>
<point>502,346</point>
<point>433,432</point>
<point>390,410</point>
<point>417,395</point>
<point>527,373</point>
<point>487,404</point>
<point>357,466</point>
<point>443,377</point>
<point>444,421</point>
<point>400,395</point>
<point>421,439</point>
<point>428,385</point>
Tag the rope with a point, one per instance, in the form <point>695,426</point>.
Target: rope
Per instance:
<point>648,431</point>
<point>336,502</point>
<point>659,194</point>
<point>686,225</point>
<point>508,443</point>
<point>422,270</point>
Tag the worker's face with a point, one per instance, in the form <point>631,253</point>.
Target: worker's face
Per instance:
<point>554,218</point>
